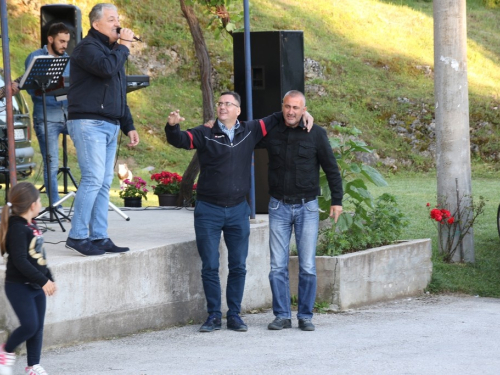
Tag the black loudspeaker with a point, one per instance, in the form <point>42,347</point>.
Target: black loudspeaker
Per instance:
<point>70,15</point>
<point>277,67</point>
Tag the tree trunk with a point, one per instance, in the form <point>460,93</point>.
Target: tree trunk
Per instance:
<point>206,89</point>
<point>452,116</point>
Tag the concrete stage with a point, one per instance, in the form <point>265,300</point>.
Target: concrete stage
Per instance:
<point>155,285</point>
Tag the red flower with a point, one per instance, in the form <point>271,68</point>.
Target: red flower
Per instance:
<point>428,204</point>
<point>436,214</point>
<point>451,220</point>
<point>446,214</point>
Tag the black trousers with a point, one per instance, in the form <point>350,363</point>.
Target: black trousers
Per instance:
<point>29,305</point>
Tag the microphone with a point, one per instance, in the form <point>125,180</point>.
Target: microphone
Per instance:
<point>118,29</point>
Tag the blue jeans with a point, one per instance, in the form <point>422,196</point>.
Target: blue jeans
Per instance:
<point>53,131</point>
<point>304,219</point>
<point>209,221</point>
<point>95,143</point>
<point>29,305</point>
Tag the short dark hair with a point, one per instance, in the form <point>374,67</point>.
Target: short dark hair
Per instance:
<point>295,93</point>
<point>57,28</point>
<point>234,95</point>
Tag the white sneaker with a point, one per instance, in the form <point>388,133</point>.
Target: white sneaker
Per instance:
<point>6,361</point>
<point>36,370</point>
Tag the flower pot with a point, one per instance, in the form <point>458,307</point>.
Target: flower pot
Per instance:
<point>132,201</point>
<point>168,199</point>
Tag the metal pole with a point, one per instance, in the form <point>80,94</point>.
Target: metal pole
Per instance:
<point>249,101</point>
<point>11,142</point>
<point>452,114</point>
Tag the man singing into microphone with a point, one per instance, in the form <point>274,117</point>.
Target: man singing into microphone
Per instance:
<point>97,111</point>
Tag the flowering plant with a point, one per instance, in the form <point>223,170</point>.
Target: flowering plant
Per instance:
<point>168,183</point>
<point>442,216</point>
<point>135,188</point>
<point>453,227</point>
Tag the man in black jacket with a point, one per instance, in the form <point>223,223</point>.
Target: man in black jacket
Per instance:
<point>294,161</point>
<point>97,110</point>
<point>225,154</point>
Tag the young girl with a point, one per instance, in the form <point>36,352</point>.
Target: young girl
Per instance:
<point>27,280</point>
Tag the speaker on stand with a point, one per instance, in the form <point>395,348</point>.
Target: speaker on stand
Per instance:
<point>277,67</point>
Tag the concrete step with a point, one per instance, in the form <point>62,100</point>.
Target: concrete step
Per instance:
<point>155,285</point>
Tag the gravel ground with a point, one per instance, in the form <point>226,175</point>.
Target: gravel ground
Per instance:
<point>424,335</point>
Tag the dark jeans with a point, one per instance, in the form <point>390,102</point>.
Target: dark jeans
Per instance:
<point>29,305</point>
<point>209,221</point>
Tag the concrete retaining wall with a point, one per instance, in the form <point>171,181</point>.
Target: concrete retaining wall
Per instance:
<point>115,295</point>
<point>365,277</point>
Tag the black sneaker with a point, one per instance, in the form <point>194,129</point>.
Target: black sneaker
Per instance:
<point>83,247</point>
<point>235,323</point>
<point>108,246</point>
<point>213,323</point>
<point>305,324</point>
<point>280,323</point>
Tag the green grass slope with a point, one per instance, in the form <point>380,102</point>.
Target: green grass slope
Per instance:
<point>372,54</point>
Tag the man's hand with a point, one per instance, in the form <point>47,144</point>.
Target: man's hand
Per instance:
<point>49,288</point>
<point>15,88</point>
<point>335,212</point>
<point>134,138</point>
<point>174,118</point>
<point>308,121</point>
<point>126,37</point>
<point>209,124</point>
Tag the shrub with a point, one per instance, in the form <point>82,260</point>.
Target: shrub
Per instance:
<point>374,222</point>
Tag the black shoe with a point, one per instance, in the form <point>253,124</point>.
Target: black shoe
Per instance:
<point>305,324</point>
<point>280,323</point>
<point>213,323</point>
<point>83,247</point>
<point>108,246</point>
<point>235,323</point>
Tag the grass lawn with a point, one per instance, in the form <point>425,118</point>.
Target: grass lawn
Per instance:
<point>481,278</point>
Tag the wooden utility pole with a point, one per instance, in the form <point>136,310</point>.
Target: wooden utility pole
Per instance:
<point>452,115</point>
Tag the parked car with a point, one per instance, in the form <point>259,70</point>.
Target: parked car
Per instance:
<point>22,134</point>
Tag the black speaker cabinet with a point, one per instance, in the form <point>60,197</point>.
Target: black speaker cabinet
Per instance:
<point>277,67</point>
<point>70,15</point>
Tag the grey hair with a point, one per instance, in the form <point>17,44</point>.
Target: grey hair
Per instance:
<point>96,12</point>
<point>295,93</point>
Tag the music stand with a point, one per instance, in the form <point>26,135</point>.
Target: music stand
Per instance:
<point>61,94</point>
<point>44,73</point>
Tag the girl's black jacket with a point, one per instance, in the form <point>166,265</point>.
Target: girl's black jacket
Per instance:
<point>26,262</point>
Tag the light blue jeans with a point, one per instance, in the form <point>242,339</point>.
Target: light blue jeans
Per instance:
<point>304,219</point>
<point>53,131</point>
<point>95,143</point>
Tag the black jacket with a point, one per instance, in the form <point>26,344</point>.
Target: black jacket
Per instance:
<point>294,160</point>
<point>26,262</point>
<point>224,165</point>
<point>98,84</point>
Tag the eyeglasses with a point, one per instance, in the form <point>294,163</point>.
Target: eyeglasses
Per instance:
<point>226,104</point>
